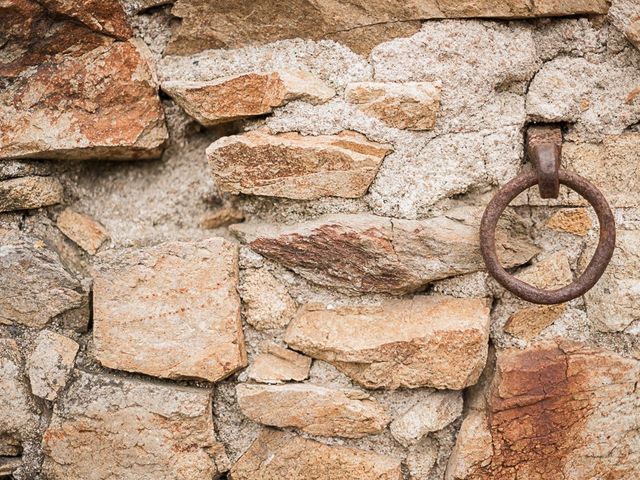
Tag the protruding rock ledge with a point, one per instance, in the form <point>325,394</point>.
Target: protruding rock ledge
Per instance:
<point>170,311</point>
<point>106,427</point>
<point>367,253</point>
<point>313,409</point>
<point>24,193</point>
<point>277,455</point>
<point>246,95</point>
<point>427,341</point>
<point>294,166</point>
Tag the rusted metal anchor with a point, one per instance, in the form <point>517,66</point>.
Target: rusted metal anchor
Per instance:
<point>544,151</point>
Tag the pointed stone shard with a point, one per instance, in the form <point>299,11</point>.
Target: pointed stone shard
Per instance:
<point>83,230</point>
<point>170,311</point>
<point>277,455</point>
<point>410,106</point>
<point>106,427</point>
<point>247,95</point>
<point>50,363</point>
<point>313,409</point>
<point>24,193</point>
<point>294,166</point>
<point>371,254</point>
<point>426,341</point>
<point>556,409</point>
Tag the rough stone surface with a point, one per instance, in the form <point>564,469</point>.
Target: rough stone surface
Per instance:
<point>17,413</point>
<point>278,365</point>
<point>555,410</point>
<point>170,311</point>
<point>106,427</point>
<point>434,413</point>
<point>24,193</point>
<point>427,341</point>
<point>571,220</point>
<point>625,15</point>
<point>105,16</point>
<point>367,253</point>
<point>265,300</point>
<point>50,364</point>
<point>39,287</point>
<point>295,166</point>
<point>313,409</point>
<point>360,25</point>
<point>550,273</point>
<point>247,95</point>
<point>82,230</point>
<point>276,455</point>
<point>612,304</point>
<point>110,111</point>
<point>222,217</point>
<point>413,105</point>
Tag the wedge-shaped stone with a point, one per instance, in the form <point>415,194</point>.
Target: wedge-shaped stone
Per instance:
<point>367,253</point>
<point>294,166</point>
<point>76,94</point>
<point>29,192</point>
<point>313,409</point>
<point>35,287</point>
<point>170,311</point>
<point>554,410</point>
<point>278,455</point>
<point>247,95</point>
<point>106,427</point>
<point>83,230</point>
<point>18,418</point>
<point>412,105</point>
<point>278,365</point>
<point>359,24</point>
<point>426,341</point>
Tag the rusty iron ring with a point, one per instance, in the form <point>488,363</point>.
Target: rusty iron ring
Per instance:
<point>596,266</point>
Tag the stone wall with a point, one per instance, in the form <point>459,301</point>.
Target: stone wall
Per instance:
<point>240,240</point>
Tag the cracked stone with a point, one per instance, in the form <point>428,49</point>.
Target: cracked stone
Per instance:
<point>554,410</point>
<point>278,365</point>
<point>17,412</point>
<point>412,105</point>
<point>426,341</point>
<point>294,166</point>
<point>24,193</point>
<point>313,409</point>
<point>429,415</point>
<point>256,93</point>
<point>110,111</point>
<point>266,302</point>
<point>83,230</point>
<point>359,253</point>
<point>35,286</point>
<point>50,364</point>
<point>359,25</point>
<point>170,311</point>
<point>105,427</point>
<point>276,455</point>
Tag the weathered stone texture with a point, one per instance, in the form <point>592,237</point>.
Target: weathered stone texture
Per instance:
<point>35,287</point>
<point>429,415</point>
<point>554,410</point>
<point>360,25</point>
<point>367,253</point>
<point>313,409</point>
<point>427,341</point>
<point>17,413</point>
<point>267,304</point>
<point>29,192</point>
<point>246,95</point>
<point>105,428</point>
<point>277,455</point>
<point>294,166</point>
<point>222,217</point>
<point>110,110</point>
<point>278,365</point>
<point>170,311</point>
<point>50,363</point>
<point>571,220</point>
<point>83,230</point>
<point>105,16</point>
<point>412,105</point>
<point>625,15</point>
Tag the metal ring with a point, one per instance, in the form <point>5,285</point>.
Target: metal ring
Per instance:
<point>594,270</point>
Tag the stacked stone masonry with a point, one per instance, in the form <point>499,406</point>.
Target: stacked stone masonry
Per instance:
<point>239,240</point>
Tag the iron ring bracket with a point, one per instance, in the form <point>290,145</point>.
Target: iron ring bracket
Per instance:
<point>548,182</point>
